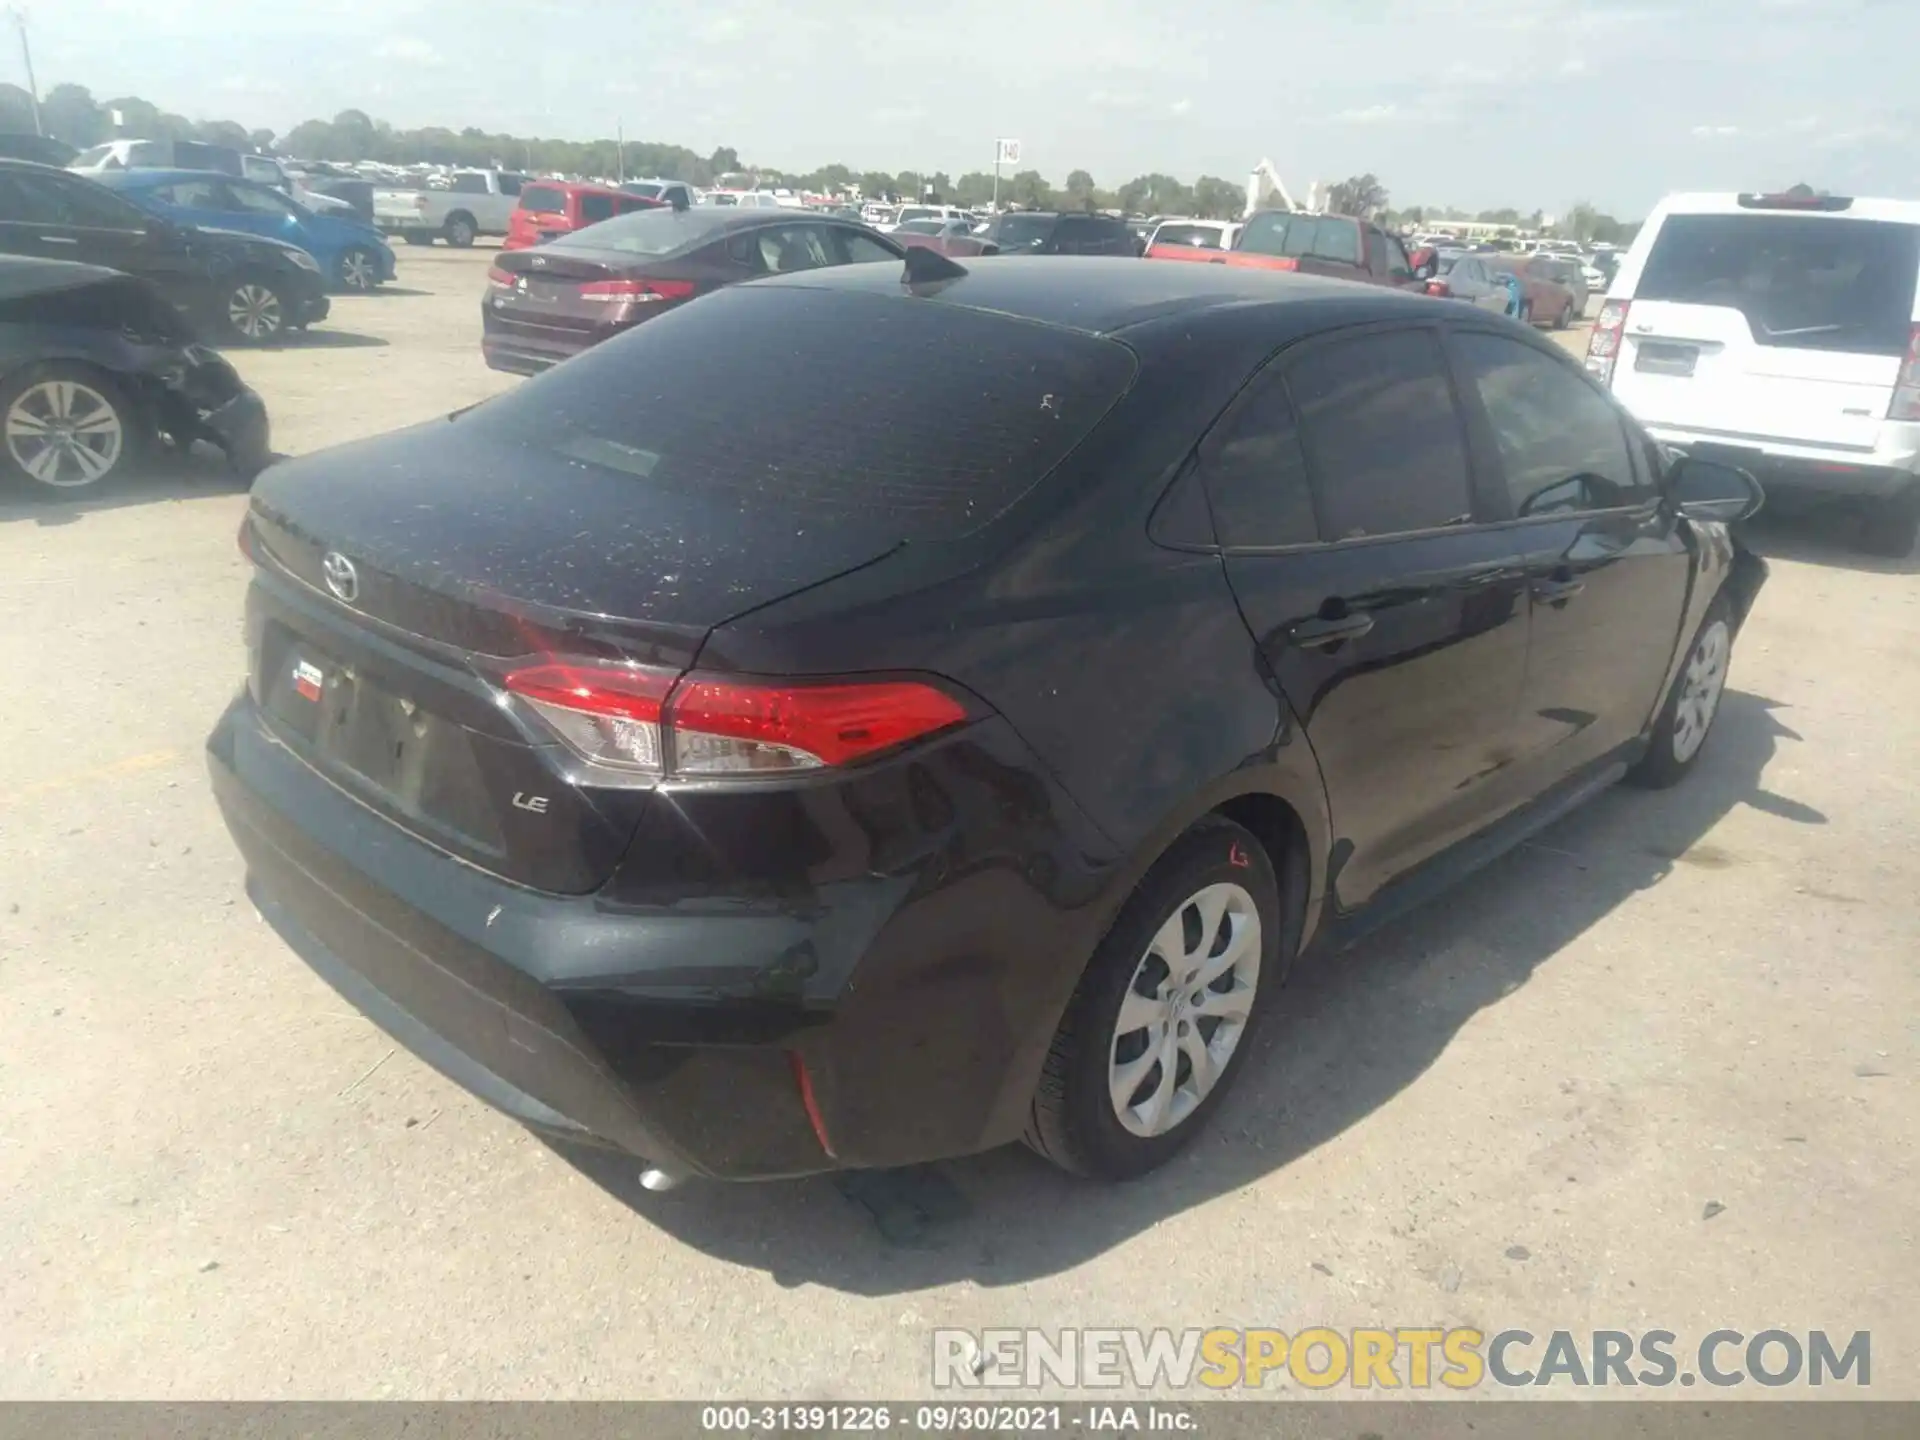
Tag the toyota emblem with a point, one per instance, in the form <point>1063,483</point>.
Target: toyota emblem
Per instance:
<point>342,579</point>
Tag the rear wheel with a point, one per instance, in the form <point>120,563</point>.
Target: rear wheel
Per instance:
<point>1892,525</point>
<point>67,428</point>
<point>1565,317</point>
<point>1159,1025</point>
<point>1681,731</point>
<point>1526,312</point>
<point>460,231</point>
<point>358,268</point>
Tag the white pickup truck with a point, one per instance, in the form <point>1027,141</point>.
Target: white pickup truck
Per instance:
<point>478,202</point>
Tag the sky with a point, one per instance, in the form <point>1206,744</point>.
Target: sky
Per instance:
<point>1478,103</point>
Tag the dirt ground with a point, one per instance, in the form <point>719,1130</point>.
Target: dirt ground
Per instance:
<point>1655,1070</point>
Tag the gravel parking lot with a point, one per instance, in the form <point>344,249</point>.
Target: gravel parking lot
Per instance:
<point>1655,1070</point>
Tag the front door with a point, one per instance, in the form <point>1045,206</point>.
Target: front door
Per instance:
<point>1607,565</point>
<point>1393,623</point>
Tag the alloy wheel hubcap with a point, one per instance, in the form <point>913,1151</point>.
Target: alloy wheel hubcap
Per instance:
<point>254,311</point>
<point>1701,685</point>
<point>64,433</point>
<point>357,271</point>
<point>1185,1010</point>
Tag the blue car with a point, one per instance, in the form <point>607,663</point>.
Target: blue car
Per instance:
<point>351,255</point>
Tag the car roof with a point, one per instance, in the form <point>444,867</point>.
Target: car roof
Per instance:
<point>119,179</point>
<point>1728,203</point>
<point>1102,295</point>
<point>580,187</point>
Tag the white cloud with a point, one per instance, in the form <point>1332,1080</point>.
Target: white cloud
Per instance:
<point>1575,66</point>
<point>1181,107</point>
<point>405,47</point>
<point>1367,115</point>
<point>1715,132</point>
<point>1116,99</point>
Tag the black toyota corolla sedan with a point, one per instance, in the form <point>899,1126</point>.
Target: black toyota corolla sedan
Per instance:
<point>866,717</point>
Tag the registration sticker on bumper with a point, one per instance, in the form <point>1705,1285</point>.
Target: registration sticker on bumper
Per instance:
<point>307,679</point>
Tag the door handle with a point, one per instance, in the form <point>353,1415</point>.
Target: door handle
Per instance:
<point>1557,592</point>
<point>1319,634</point>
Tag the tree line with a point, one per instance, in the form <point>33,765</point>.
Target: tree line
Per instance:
<point>70,113</point>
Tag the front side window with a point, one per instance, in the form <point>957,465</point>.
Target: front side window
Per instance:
<point>858,249</point>
<point>1383,438</point>
<point>595,208</point>
<point>1561,444</point>
<point>257,201</point>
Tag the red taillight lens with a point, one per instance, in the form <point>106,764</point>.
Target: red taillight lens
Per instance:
<point>1440,288</point>
<point>609,714</point>
<point>1906,389</point>
<point>1603,345</point>
<point>637,718</point>
<point>505,279</point>
<point>639,292</point>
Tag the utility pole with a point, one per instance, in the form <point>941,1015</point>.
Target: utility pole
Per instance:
<point>620,145</point>
<point>26,55</point>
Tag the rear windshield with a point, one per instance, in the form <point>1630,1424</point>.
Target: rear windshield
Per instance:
<point>1321,236</point>
<point>1015,232</point>
<point>1205,237</point>
<point>539,197</point>
<point>1808,282</point>
<point>934,416</point>
<point>655,231</point>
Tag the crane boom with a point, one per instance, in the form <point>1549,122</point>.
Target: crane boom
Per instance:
<point>1263,179</point>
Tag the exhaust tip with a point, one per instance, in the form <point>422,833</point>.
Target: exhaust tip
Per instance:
<point>659,1181</point>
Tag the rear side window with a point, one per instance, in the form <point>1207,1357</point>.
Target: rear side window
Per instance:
<point>594,208</point>
<point>1201,237</point>
<point>1383,436</point>
<point>469,185</point>
<point>1809,282</point>
<point>1324,237</point>
<point>1256,472</point>
<point>543,198</point>
<point>1561,444</point>
<point>935,416</point>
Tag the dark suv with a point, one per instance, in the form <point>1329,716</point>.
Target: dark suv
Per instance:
<point>230,286</point>
<point>878,713</point>
<point>1042,232</point>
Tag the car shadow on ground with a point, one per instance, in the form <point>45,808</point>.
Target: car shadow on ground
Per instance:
<point>1355,1029</point>
<point>1821,537</point>
<point>170,475</point>
<point>388,292</point>
<point>324,338</point>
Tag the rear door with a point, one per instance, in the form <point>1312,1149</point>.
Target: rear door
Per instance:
<point>1607,567</point>
<point>1769,326</point>
<point>1394,623</point>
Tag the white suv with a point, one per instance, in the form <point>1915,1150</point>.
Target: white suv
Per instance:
<point>1780,333</point>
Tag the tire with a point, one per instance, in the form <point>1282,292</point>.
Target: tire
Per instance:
<point>67,429</point>
<point>1526,312</point>
<point>1565,318</point>
<point>358,269</point>
<point>1681,731</point>
<point>460,230</point>
<point>1076,1121</point>
<point>1891,526</point>
<point>254,310</point>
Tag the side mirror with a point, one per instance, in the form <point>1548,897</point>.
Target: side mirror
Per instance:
<point>1426,263</point>
<point>1709,490</point>
<point>679,200</point>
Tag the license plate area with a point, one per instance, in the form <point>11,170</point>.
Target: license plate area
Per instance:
<point>372,740</point>
<point>1658,357</point>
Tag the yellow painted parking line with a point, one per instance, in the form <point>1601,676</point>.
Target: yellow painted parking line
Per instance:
<point>112,770</point>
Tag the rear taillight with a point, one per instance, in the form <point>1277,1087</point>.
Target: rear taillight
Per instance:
<point>1906,389</point>
<point>632,717</point>
<point>639,292</point>
<point>1603,345</point>
<point>1440,288</point>
<point>505,279</point>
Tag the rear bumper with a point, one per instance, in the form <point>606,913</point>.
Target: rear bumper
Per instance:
<point>522,347</point>
<point>664,1016</point>
<point>1806,472</point>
